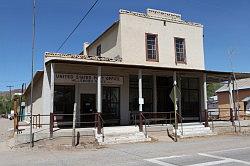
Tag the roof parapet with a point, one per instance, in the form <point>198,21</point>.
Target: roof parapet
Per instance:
<point>161,15</point>
<point>83,57</point>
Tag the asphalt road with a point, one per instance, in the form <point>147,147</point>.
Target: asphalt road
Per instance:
<point>220,150</point>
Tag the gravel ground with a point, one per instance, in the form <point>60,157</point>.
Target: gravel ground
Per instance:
<point>5,126</point>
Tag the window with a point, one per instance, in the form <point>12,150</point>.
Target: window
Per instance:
<point>147,93</point>
<point>180,51</point>
<point>151,47</point>
<point>64,99</point>
<point>98,50</point>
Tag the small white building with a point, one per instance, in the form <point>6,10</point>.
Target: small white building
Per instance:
<point>132,66</point>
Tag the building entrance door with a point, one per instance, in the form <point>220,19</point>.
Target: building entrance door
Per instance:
<point>111,105</point>
<point>164,87</point>
<point>88,108</point>
<point>190,100</point>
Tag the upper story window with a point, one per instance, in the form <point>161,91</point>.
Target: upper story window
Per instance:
<point>151,47</point>
<point>98,50</point>
<point>180,50</point>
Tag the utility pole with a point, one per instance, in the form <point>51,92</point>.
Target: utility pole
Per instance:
<point>32,70</point>
<point>9,86</point>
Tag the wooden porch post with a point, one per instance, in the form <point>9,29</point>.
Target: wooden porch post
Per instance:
<point>231,99</point>
<point>99,99</point>
<point>175,105</point>
<point>52,86</point>
<point>140,99</point>
<point>205,98</point>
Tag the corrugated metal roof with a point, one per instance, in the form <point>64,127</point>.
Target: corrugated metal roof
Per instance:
<point>246,99</point>
<point>240,84</point>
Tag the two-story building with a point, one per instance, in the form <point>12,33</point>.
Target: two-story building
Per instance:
<point>139,63</point>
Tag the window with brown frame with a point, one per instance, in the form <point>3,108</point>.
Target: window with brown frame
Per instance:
<point>180,50</point>
<point>99,50</point>
<point>151,47</point>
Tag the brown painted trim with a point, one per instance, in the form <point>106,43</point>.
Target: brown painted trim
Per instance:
<point>185,54</point>
<point>157,48</point>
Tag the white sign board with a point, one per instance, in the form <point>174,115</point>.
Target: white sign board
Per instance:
<point>80,78</point>
<point>141,100</point>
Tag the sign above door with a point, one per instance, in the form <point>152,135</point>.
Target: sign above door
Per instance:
<point>80,78</point>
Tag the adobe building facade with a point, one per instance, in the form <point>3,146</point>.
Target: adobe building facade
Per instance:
<point>133,66</point>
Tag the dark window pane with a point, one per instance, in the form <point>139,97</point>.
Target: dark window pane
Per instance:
<point>98,50</point>
<point>151,46</point>
<point>180,50</point>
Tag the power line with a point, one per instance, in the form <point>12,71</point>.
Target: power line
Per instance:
<point>77,25</point>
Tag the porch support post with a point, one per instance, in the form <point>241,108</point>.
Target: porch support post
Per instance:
<point>99,99</point>
<point>52,86</point>
<point>231,99</point>
<point>140,99</point>
<point>175,105</point>
<point>234,102</point>
<point>205,98</point>
<point>155,93</point>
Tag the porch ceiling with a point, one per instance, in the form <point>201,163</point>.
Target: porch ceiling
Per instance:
<point>218,76</point>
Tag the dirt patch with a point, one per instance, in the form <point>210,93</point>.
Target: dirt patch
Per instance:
<point>5,129</point>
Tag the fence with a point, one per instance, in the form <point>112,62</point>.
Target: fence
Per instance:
<point>62,121</point>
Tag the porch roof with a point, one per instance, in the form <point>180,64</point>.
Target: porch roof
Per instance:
<point>212,76</point>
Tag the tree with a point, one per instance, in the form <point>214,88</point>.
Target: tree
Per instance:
<point>5,105</point>
<point>212,87</point>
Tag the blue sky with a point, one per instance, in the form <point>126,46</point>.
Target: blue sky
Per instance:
<point>226,27</point>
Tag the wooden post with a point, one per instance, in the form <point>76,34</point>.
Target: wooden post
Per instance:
<point>205,98</point>
<point>99,126</point>
<point>99,98</point>
<point>140,99</point>
<point>74,126</point>
<point>51,125</point>
<point>234,102</point>
<point>15,115</point>
<point>39,120</point>
<point>141,122</point>
<point>231,100</point>
<point>175,105</point>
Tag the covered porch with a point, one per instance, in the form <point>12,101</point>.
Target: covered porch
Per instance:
<point>123,94</point>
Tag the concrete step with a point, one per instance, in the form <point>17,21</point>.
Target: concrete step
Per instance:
<point>193,130</point>
<point>123,138</point>
<point>121,134</point>
<point>197,135</point>
<point>191,124</point>
<point>158,128</point>
<point>193,133</point>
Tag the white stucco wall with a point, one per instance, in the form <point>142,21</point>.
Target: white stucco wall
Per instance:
<point>110,43</point>
<point>133,29</point>
<point>37,99</point>
<point>46,93</point>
